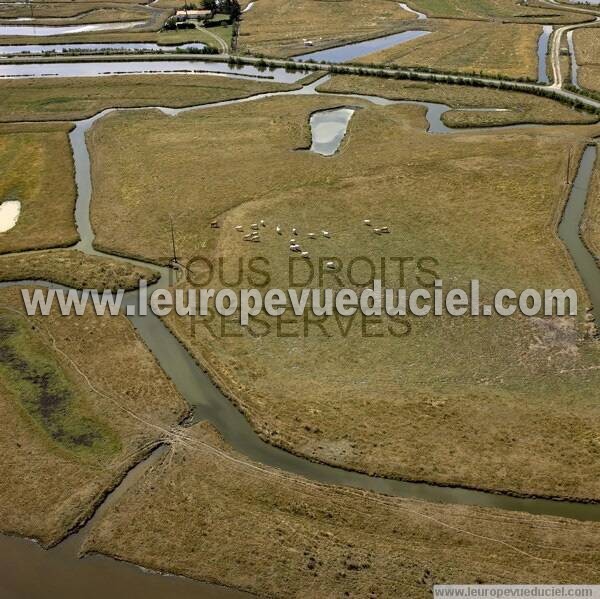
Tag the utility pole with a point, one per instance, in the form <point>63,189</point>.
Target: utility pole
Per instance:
<point>173,238</point>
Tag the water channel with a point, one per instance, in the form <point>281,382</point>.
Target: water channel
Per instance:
<point>543,44</point>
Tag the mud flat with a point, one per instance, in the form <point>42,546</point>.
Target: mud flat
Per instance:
<point>9,214</point>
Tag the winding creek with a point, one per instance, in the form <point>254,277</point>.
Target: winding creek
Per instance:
<point>59,572</point>
<point>569,229</point>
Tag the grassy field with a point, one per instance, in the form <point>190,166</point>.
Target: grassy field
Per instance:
<point>73,269</point>
<point>467,46</point>
<point>506,10</point>
<point>57,422</point>
<point>81,97</point>
<point>201,515</point>
<point>412,405</point>
<point>37,170</point>
<point>587,51</point>
<point>520,108</point>
<point>277,27</point>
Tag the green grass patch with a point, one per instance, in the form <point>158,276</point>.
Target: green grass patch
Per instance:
<point>48,396</point>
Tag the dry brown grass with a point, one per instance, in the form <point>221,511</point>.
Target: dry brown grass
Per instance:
<point>587,51</point>
<point>277,27</point>
<point>82,97</point>
<point>203,516</point>
<point>589,77</point>
<point>485,204</point>
<point>54,472</point>
<point>73,269</point>
<point>37,170</point>
<point>520,107</point>
<point>57,10</point>
<point>464,46</point>
<point>505,10</point>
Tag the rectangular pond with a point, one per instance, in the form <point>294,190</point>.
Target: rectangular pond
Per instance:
<point>351,52</point>
<point>145,67</point>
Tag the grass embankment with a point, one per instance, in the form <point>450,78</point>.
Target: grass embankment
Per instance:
<point>72,13</point>
<point>587,52</point>
<point>468,47</point>
<point>81,97</point>
<point>520,107</point>
<point>37,170</point>
<point>506,10</point>
<point>277,28</point>
<point>485,402</point>
<point>164,38</point>
<point>160,37</point>
<point>201,515</point>
<point>65,444</point>
<point>73,269</point>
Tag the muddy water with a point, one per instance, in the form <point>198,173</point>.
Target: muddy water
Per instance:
<point>26,571</point>
<point>328,129</point>
<point>47,30</point>
<point>351,52</point>
<point>570,229</point>
<point>91,48</point>
<point>9,214</point>
<point>543,44</point>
